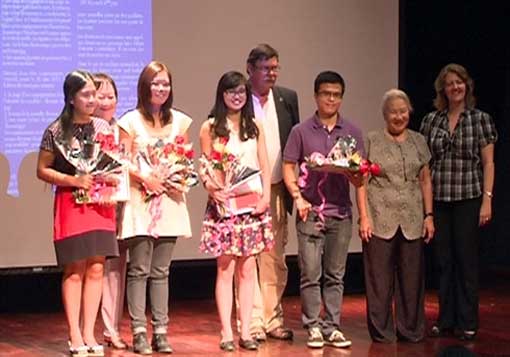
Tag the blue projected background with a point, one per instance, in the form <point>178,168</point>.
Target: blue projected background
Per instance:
<point>44,40</point>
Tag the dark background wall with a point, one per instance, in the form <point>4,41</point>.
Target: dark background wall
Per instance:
<point>475,34</point>
<point>432,34</point>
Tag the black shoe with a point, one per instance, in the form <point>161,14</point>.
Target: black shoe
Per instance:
<point>467,335</point>
<point>251,344</point>
<point>281,333</point>
<point>227,346</point>
<point>160,343</point>
<point>141,344</point>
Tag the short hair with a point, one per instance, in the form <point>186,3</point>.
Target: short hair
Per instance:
<point>328,77</point>
<point>441,102</point>
<point>395,93</point>
<point>101,78</point>
<point>261,52</point>
<point>144,92</point>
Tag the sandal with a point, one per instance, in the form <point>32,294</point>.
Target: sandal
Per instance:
<point>80,351</point>
<point>96,351</point>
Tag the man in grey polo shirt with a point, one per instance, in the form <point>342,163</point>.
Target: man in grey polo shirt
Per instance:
<point>322,246</point>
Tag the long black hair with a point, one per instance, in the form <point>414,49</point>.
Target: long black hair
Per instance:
<point>73,83</point>
<point>247,127</point>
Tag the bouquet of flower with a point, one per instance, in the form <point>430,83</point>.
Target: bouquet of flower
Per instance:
<point>342,157</point>
<point>171,162</point>
<point>224,171</point>
<point>100,156</point>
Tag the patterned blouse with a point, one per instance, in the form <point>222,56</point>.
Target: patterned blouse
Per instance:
<point>395,198</point>
<point>80,132</point>
<point>456,163</point>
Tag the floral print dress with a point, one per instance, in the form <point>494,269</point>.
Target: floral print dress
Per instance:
<point>239,235</point>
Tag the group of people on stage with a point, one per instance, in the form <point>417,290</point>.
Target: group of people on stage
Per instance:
<point>436,184</point>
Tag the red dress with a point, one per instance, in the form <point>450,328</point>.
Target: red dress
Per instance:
<point>80,231</point>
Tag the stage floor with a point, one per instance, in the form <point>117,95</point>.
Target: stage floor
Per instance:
<point>194,331</point>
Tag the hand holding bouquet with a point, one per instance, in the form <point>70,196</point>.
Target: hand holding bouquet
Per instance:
<point>97,156</point>
<point>235,187</point>
<point>168,166</point>
<point>342,158</point>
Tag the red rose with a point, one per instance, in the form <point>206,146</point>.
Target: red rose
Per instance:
<point>375,169</point>
<point>231,157</point>
<point>215,155</point>
<point>179,139</point>
<point>179,150</point>
<point>223,140</point>
<point>364,166</point>
<point>190,154</point>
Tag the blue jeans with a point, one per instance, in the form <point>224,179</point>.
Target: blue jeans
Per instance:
<point>322,253</point>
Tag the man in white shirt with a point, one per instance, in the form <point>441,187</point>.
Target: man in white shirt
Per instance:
<point>277,109</point>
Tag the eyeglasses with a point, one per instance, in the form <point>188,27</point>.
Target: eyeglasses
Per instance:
<point>267,69</point>
<point>327,94</point>
<point>165,85</point>
<point>232,92</point>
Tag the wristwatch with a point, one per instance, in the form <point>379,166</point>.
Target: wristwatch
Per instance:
<point>488,194</point>
<point>428,214</point>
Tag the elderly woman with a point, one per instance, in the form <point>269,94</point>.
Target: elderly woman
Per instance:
<point>461,140</point>
<point>396,219</point>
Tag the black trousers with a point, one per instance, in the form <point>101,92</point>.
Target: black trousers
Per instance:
<point>456,256</point>
<point>394,273</point>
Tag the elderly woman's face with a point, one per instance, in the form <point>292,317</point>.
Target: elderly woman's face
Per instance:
<point>454,88</point>
<point>396,115</point>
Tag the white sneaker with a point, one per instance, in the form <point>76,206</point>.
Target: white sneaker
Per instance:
<point>315,339</point>
<point>337,339</point>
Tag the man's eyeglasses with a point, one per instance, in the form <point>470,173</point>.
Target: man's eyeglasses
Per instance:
<point>267,69</point>
<point>232,92</point>
<point>327,94</point>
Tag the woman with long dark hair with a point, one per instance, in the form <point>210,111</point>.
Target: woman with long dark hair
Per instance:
<point>83,234</point>
<point>235,241</point>
<point>153,121</point>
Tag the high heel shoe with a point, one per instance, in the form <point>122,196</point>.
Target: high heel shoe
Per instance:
<point>96,351</point>
<point>116,342</point>
<point>80,351</point>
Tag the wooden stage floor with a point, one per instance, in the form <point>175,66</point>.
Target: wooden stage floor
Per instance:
<point>194,331</point>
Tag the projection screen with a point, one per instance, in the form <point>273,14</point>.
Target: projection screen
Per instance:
<point>199,41</point>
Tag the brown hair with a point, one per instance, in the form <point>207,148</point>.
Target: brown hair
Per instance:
<point>144,93</point>
<point>441,102</point>
<point>261,52</point>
